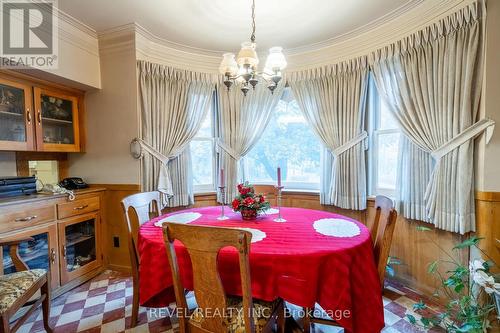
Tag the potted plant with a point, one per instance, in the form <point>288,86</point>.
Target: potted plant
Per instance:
<point>248,203</point>
<point>471,293</point>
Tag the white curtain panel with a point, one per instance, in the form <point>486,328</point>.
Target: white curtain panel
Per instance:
<point>241,120</point>
<point>333,100</point>
<point>431,81</point>
<point>173,105</point>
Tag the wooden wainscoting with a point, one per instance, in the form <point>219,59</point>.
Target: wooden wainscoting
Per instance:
<point>117,258</point>
<point>488,223</point>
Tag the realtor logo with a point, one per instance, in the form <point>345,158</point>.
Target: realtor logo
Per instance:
<point>29,34</point>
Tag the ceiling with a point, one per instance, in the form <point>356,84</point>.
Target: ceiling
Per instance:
<point>221,25</point>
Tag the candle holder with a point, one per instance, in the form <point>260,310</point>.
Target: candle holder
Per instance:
<point>279,218</point>
<point>222,216</point>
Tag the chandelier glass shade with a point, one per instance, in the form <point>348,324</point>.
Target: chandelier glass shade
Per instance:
<point>243,68</point>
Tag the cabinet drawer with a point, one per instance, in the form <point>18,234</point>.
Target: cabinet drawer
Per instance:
<point>77,207</point>
<point>26,215</point>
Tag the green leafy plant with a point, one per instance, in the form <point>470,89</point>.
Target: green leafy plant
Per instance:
<point>391,262</point>
<point>471,292</point>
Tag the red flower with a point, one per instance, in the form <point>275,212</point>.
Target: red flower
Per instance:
<point>244,190</point>
<point>235,204</point>
<point>262,198</point>
<point>248,201</point>
<point>240,186</point>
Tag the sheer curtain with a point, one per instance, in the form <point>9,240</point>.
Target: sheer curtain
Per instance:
<point>432,82</point>
<point>173,105</point>
<point>240,123</point>
<point>333,100</point>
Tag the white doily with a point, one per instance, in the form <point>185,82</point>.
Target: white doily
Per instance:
<point>182,218</point>
<point>257,235</point>
<point>336,227</point>
<point>271,211</point>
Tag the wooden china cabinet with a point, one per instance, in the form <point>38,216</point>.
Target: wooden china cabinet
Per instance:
<point>38,116</point>
<point>66,236</point>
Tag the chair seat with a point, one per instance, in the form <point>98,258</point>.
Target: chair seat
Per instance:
<point>236,322</point>
<point>12,286</point>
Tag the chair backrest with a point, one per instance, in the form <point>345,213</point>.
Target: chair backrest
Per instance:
<point>203,245</point>
<point>145,206</point>
<point>269,191</point>
<point>382,229</point>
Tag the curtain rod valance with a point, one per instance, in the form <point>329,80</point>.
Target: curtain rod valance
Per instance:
<point>342,68</point>
<point>150,69</point>
<point>461,19</point>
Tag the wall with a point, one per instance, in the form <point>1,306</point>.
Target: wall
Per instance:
<point>111,119</point>
<point>488,155</point>
<point>7,164</point>
<point>489,179</point>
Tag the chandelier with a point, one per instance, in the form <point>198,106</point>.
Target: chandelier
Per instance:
<point>243,69</point>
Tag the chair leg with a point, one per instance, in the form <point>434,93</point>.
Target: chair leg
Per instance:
<point>4,324</point>
<point>307,320</point>
<point>281,317</point>
<point>45,290</point>
<point>135,305</point>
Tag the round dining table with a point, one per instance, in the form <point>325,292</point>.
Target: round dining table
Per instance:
<point>313,257</point>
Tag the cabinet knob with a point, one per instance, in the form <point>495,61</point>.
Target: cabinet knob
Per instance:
<point>28,115</point>
<point>80,207</point>
<point>25,219</point>
<point>39,116</point>
<point>64,251</point>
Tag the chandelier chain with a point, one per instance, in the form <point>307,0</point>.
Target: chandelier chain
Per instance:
<point>252,37</point>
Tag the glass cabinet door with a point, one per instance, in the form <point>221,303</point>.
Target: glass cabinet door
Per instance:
<point>80,246</point>
<point>57,121</point>
<point>40,252</point>
<point>16,128</point>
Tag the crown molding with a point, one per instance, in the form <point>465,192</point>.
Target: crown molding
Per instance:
<point>411,17</point>
<point>77,33</point>
<point>405,20</point>
<point>428,12</point>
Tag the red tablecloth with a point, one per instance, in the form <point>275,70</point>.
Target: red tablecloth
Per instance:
<point>293,262</point>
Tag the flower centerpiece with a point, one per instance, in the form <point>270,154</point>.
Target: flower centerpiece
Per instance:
<point>249,203</point>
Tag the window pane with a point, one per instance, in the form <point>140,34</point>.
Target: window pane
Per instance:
<point>387,160</point>
<point>287,142</point>
<point>206,127</point>
<point>201,156</point>
<point>387,120</point>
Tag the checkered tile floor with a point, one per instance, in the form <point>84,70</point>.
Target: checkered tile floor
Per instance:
<point>104,304</point>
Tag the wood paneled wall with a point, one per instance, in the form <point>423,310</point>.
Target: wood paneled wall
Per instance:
<point>116,258</point>
<point>488,223</point>
<point>414,248</point>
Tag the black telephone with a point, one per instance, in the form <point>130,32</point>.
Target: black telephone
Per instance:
<point>73,183</point>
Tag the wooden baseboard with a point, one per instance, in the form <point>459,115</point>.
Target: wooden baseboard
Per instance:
<point>120,268</point>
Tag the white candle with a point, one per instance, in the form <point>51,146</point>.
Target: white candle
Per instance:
<point>279,177</point>
<point>221,177</point>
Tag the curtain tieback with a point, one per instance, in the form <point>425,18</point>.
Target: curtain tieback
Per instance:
<point>228,150</point>
<point>469,133</point>
<point>164,181</point>
<point>349,144</point>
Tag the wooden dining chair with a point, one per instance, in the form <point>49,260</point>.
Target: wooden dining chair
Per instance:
<point>20,289</point>
<point>381,231</point>
<point>138,209</point>
<point>269,191</point>
<point>203,245</point>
